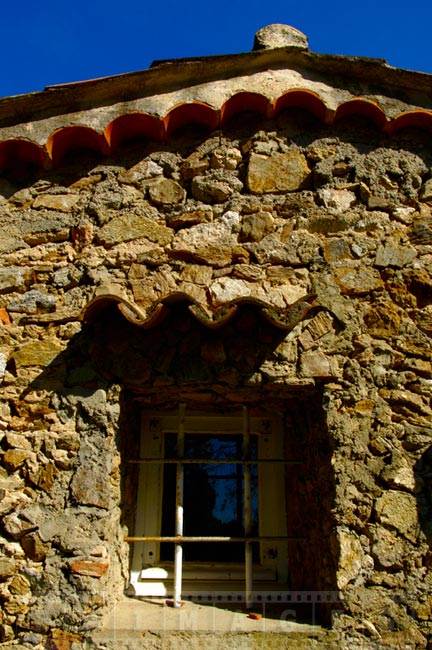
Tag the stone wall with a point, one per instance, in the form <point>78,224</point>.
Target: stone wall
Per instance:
<point>263,215</point>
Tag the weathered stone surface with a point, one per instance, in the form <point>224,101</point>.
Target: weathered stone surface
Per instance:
<point>63,640</point>
<point>89,486</point>
<point>336,250</point>
<point>420,233</point>
<point>399,473</point>
<point>43,477</point>
<point>60,202</point>
<point>357,280</point>
<point>165,192</point>
<point>15,526</point>
<point>337,200</point>
<point>194,165</point>
<point>82,235</point>
<point>19,585</point>
<point>6,633</point>
<point>295,250</point>
<point>386,548</point>
<point>256,226</point>
<point>12,278</point>
<point>197,274</point>
<point>351,558</point>
<point>142,171</point>
<point>34,547</point>
<point>7,568</point>
<point>315,364</point>
<point>383,320</point>
<point>208,234</point>
<point>393,255</point>
<point>397,510</point>
<point>320,325</point>
<point>225,157</point>
<point>191,218</point>
<point>15,458</point>
<point>224,290</point>
<point>37,353</point>
<point>277,35</point>
<point>131,226</point>
<point>32,302</point>
<point>216,186</point>
<point>426,192</point>
<point>89,568</point>
<point>280,172</point>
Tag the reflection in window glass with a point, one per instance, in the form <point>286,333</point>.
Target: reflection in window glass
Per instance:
<point>213,496</point>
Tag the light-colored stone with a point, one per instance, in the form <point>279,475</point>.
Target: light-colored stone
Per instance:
<point>278,35</point>
<point>216,186</point>
<point>399,473</point>
<point>337,200</point>
<point>165,192</point>
<point>225,290</point>
<point>350,560</point>
<point>142,171</point>
<point>393,255</point>
<point>225,158</point>
<point>256,226</point>
<point>357,280</point>
<point>32,302</point>
<point>60,202</point>
<point>280,172</point>
<point>397,510</point>
<point>194,165</point>
<point>8,568</point>
<point>386,547</point>
<point>315,364</point>
<point>37,353</point>
<point>12,278</point>
<point>131,226</point>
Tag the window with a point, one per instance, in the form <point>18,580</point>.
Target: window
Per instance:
<point>222,497</point>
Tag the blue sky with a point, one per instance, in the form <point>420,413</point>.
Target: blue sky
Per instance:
<point>49,42</point>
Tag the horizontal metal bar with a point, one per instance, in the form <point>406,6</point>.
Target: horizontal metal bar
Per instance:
<point>211,461</point>
<point>179,539</point>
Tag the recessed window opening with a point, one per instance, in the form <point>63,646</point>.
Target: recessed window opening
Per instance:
<point>211,506</point>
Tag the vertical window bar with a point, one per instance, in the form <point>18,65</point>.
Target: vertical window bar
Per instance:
<point>247,507</point>
<point>178,548</point>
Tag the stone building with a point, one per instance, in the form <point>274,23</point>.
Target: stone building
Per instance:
<point>217,257</point>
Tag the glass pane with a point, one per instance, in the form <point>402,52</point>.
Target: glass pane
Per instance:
<point>213,496</point>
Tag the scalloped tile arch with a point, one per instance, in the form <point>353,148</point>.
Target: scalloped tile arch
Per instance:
<point>15,151</point>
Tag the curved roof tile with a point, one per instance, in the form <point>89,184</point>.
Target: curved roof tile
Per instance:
<point>299,97</point>
<point>74,138</point>
<point>284,319</point>
<point>133,125</point>
<point>363,108</point>
<point>18,151</point>
<point>245,101</point>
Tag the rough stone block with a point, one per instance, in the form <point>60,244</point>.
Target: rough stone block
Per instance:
<point>280,172</point>
<point>132,226</point>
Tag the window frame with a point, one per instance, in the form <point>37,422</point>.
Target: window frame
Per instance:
<point>150,577</point>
